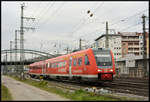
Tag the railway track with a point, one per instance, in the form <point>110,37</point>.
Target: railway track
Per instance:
<point>122,86</point>
<point>132,86</point>
<point>136,80</point>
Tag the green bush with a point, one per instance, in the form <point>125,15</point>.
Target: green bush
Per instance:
<point>43,83</point>
<point>6,96</point>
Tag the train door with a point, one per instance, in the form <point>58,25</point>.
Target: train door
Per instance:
<point>86,65</point>
<point>44,68</point>
<point>70,66</point>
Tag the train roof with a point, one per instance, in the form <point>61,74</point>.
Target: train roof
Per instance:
<point>67,55</point>
<point>60,58</point>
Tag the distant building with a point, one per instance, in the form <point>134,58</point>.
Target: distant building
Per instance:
<point>132,43</point>
<point>114,43</point>
<point>94,45</point>
<point>124,43</point>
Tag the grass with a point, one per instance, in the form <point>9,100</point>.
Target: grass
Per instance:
<point>78,95</point>
<point>6,96</point>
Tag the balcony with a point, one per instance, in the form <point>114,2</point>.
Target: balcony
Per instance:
<point>133,46</point>
<point>130,39</point>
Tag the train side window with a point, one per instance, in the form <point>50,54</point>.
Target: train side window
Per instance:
<point>86,60</point>
<point>59,64</point>
<point>53,65</point>
<point>80,61</point>
<point>56,65</point>
<point>47,65</point>
<point>74,62</point>
<point>64,64</point>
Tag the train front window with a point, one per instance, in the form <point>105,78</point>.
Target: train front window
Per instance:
<point>103,59</point>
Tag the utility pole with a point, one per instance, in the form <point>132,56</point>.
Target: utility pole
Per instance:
<point>11,54</point>
<point>80,44</point>
<point>144,47</point>
<point>22,39</point>
<point>67,49</point>
<point>10,51</point>
<point>16,44</point>
<point>6,63</point>
<point>106,42</point>
<point>16,50</point>
<point>21,42</point>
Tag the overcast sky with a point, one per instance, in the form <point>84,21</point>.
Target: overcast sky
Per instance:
<point>64,23</point>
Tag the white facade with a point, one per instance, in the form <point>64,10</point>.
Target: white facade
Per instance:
<point>114,43</point>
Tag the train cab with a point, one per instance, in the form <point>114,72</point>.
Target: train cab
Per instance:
<point>104,63</point>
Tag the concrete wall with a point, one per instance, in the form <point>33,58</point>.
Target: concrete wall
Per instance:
<point>137,71</point>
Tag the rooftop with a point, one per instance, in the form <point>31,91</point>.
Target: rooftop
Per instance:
<point>132,33</point>
<point>108,35</point>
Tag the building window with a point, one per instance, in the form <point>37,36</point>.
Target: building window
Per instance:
<point>123,44</point>
<point>136,43</point>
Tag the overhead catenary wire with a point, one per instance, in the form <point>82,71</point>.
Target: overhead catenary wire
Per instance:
<point>131,26</point>
<point>52,15</point>
<point>83,20</point>
<point>129,17</point>
<point>123,19</point>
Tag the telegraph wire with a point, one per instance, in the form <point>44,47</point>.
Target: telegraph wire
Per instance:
<point>49,7</point>
<point>99,7</point>
<point>37,10</point>
<point>53,14</point>
<point>131,26</point>
<point>130,17</point>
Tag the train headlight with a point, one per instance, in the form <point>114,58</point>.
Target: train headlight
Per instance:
<point>99,70</point>
<point>111,70</point>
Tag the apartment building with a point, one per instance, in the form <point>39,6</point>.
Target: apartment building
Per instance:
<point>132,43</point>
<point>141,43</point>
<point>124,43</point>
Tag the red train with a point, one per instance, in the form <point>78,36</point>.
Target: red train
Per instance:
<point>93,64</point>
